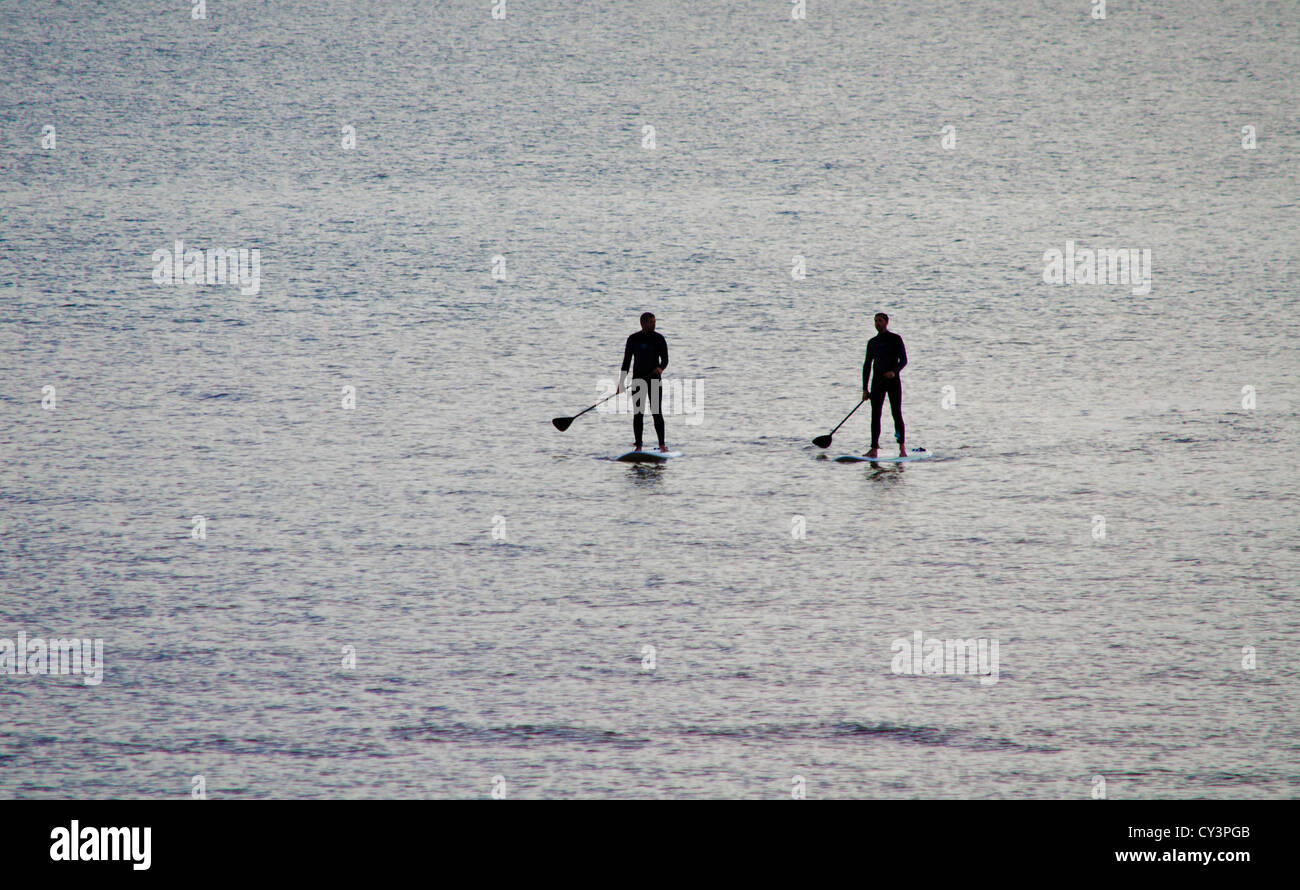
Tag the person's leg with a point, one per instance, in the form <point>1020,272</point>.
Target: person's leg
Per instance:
<point>877,403</point>
<point>637,394</point>
<point>895,390</point>
<point>656,411</point>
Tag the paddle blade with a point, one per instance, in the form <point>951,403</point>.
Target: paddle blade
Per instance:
<point>562,423</point>
<point>822,441</point>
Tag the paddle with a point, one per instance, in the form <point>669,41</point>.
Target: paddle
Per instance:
<point>562,423</point>
<point>825,441</point>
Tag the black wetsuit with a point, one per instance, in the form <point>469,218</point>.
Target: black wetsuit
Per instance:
<point>887,352</point>
<point>645,352</point>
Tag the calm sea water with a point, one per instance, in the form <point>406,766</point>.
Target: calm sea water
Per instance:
<point>1114,498</point>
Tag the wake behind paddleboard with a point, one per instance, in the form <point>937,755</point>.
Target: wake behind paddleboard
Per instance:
<point>650,457</point>
<point>859,458</point>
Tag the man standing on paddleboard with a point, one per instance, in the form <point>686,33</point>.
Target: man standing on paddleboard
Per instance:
<point>647,353</point>
<point>886,352</point>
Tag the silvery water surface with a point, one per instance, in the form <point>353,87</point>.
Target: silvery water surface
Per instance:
<point>1113,499</point>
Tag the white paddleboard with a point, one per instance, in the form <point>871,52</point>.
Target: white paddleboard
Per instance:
<point>652,457</point>
<point>858,458</point>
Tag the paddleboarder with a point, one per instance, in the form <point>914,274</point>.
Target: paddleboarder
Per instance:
<point>886,352</point>
<point>647,353</point>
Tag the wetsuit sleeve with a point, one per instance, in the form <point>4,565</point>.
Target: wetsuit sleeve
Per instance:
<point>627,354</point>
<point>866,367</point>
<point>663,349</point>
<point>902,355</point>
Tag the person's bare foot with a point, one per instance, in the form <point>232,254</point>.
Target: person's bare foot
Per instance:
<point>902,452</point>
<point>663,448</point>
<point>871,453</point>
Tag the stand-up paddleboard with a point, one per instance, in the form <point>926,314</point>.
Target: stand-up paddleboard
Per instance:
<point>649,457</point>
<point>859,458</point>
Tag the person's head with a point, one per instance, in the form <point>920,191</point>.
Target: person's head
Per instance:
<point>882,321</point>
<point>648,322</point>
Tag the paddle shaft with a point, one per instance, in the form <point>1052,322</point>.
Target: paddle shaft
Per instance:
<point>597,405</point>
<point>562,423</point>
<point>847,416</point>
